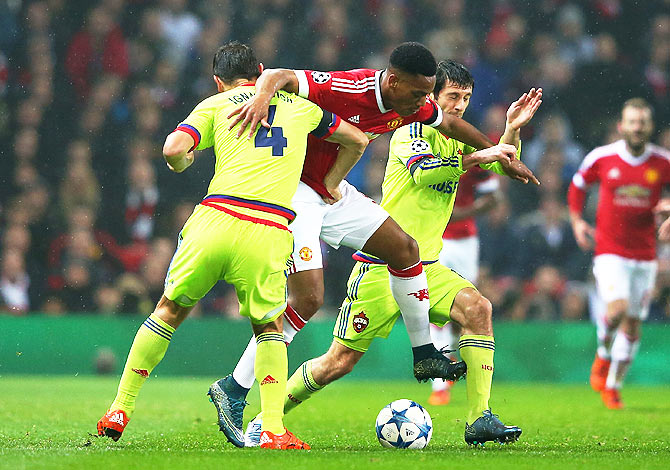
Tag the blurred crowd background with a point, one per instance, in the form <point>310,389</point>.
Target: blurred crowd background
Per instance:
<point>89,213</point>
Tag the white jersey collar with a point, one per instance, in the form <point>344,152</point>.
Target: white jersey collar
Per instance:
<point>629,158</point>
<point>378,92</point>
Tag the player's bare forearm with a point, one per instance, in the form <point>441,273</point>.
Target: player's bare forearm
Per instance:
<point>519,113</point>
<point>255,110</point>
<point>495,153</point>
<point>352,145</point>
<point>463,131</point>
<point>273,80</point>
<point>511,136</point>
<point>177,151</point>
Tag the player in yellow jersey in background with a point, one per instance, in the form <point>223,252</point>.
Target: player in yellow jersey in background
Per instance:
<point>239,232</point>
<point>419,191</point>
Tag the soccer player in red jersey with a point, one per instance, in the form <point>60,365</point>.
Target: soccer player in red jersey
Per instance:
<point>632,173</point>
<point>377,102</point>
<point>478,193</point>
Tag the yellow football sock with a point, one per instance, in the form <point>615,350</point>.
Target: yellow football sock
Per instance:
<point>271,369</point>
<point>477,352</point>
<point>300,386</point>
<point>151,342</point>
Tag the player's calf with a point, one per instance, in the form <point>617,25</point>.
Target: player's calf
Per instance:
<point>112,424</point>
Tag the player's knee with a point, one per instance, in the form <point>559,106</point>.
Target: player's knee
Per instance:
<point>631,326</point>
<point>617,310</point>
<point>479,312</point>
<point>405,252</point>
<point>170,312</point>
<point>307,303</point>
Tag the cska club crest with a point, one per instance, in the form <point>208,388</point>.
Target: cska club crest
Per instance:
<point>360,322</point>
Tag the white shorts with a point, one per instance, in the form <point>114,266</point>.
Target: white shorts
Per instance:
<point>462,255</point>
<point>619,278</point>
<point>351,221</point>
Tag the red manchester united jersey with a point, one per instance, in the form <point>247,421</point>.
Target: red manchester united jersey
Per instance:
<point>475,181</point>
<point>630,187</point>
<point>355,96</point>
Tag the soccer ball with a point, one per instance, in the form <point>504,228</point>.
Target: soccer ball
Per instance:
<point>404,424</point>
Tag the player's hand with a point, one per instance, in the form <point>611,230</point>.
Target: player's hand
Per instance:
<point>250,114</point>
<point>502,153</point>
<point>335,194</point>
<point>584,234</point>
<point>182,164</point>
<point>664,231</point>
<point>522,110</point>
<point>517,170</point>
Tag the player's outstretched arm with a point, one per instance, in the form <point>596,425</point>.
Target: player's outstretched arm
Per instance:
<point>255,110</point>
<point>496,153</point>
<point>352,145</point>
<point>463,131</point>
<point>519,114</point>
<point>177,151</point>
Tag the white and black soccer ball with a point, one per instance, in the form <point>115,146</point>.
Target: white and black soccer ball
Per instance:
<point>404,424</point>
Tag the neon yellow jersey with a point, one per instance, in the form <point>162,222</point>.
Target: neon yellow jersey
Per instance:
<point>267,167</point>
<point>420,184</point>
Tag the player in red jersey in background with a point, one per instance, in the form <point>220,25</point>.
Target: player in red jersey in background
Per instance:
<point>377,102</point>
<point>632,174</point>
<point>478,193</point>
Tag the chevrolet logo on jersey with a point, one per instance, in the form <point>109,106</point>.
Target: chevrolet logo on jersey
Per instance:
<point>633,190</point>
<point>397,122</point>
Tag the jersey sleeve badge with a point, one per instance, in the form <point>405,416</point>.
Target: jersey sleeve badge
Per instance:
<point>419,146</point>
<point>320,77</point>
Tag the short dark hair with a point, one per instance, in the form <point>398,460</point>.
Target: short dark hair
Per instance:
<point>453,73</point>
<point>413,58</point>
<point>235,60</point>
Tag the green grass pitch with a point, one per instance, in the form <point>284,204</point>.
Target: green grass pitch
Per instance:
<point>49,422</point>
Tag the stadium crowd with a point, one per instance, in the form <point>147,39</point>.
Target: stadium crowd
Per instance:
<point>89,213</point>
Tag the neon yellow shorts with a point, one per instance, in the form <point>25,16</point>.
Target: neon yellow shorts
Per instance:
<point>369,311</point>
<point>252,257</point>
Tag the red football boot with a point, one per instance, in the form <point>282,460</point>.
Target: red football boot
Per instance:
<point>599,371</point>
<point>113,424</point>
<point>611,398</point>
<point>439,397</point>
<point>283,441</point>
